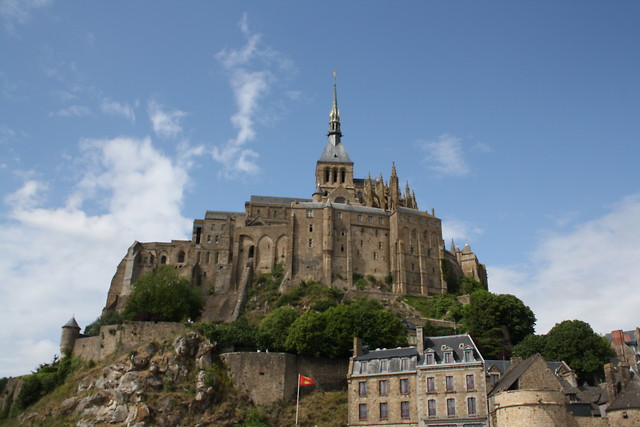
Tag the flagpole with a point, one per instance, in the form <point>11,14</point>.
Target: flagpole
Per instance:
<point>298,399</point>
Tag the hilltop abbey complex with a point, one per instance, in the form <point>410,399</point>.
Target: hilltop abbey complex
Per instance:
<point>351,227</point>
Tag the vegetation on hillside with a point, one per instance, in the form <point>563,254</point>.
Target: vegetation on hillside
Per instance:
<point>574,342</point>
<point>163,294</point>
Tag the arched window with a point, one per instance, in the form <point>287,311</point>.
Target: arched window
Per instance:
<point>342,175</point>
<point>181,257</point>
<point>163,259</point>
<point>335,175</point>
<point>326,175</point>
<point>251,249</point>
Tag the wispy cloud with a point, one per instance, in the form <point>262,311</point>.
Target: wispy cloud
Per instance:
<point>251,78</point>
<point>127,190</point>
<point>445,155</point>
<point>586,273</point>
<point>73,111</point>
<point>115,108</point>
<point>459,231</point>
<point>166,123</point>
<point>19,12</point>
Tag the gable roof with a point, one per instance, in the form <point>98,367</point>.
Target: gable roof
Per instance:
<point>456,343</point>
<point>629,397</point>
<point>512,375</point>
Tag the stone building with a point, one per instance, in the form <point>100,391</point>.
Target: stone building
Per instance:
<point>351,226</point>
<point>439,382</point>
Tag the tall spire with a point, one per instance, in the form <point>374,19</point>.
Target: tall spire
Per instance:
<point>334,116</point>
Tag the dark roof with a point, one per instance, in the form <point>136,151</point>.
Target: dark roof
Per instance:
<point>512,375</point>
<point>629,397</point>
<point>503,365</point>
<point>334,152</point>
<point>277,200</point>
<point>71,323</point>
<point>457,343</point>
<point>388,353</point>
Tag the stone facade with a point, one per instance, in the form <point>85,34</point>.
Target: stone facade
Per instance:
<point>350,226</point>
<point>439,382</point>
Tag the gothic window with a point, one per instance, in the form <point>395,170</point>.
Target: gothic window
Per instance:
<point>335,175</point>
<point>383,387</point>
<point>451,407</point>
<point>152,259</point>
<point>404,386</point>
<point>404,409</point>
<point>163,259</point>
<point>448,381</point>
<point>431,384</point>
<point>326,175</point>
<point>251,249</point>
<point>471,406</point>
<point>362,411</point>
<point>471,385</point>
<point>384,410</point>
<point>342,175</point>
<point>431,408</point>
<point>362,388</point>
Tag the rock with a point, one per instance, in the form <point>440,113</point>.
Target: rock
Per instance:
<point>203,356</point>
<point>139,363</point>
<point>138,414</point>
<point>130,383</point>
<point>99,398</point>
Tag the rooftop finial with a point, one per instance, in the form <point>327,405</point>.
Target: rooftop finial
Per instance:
<point>334,116</point>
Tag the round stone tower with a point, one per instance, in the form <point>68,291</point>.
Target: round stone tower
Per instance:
<point>70,332</point>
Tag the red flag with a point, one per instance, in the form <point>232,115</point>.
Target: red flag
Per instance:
<point>306,380</point>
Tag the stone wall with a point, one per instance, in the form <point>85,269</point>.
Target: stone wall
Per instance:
<point>268,377</point>
<point>531,408</point>
<point>626,417</point>
<point>124,337</point>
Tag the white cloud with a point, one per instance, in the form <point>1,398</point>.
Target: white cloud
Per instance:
<point>587,273</point>
<point>166,123</point>
<point>251,79</point>
<point>19,12</point>
<point>115,108</point>
<point>459,231</point>
<point>73,111</point>
<point>445,155</point>
<point>58,261</point>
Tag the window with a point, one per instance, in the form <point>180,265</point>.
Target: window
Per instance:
<point>207,258</point>
<point>370,219</point>
<point>384,410</point>
<point>451,407</point>
<point>471,406</point>
<point>431,384</point>
<point>275,214</point>
<point>495,378</point>
<point>429,358</point>
<point>380,221</point>
<point>216,258</point>
<point>404,409</point>
<point>163,259</point>
<point>181,257</point>
<point>310,228</point>
<point>448,357</point>
<point>404,386</point>
<point>375,255</point>
<point>468,356</point>
<point>309,213</point>
<point>338,215</point>
<point>383,386</point>
<point>471,385</point>
<point>431,407</point>
<point>208,238</point>
<point>362,411</point>
<point>217,239</point>
<point>310,242</point>
<point>379,245</point>
<point>404,364</point>
<point>363,367</point>
<point>362,391</point>
<point>448,381</point>
<point>359,218</point>
<point>383,365</point>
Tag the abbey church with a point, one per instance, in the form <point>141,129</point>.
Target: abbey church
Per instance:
<point>350,227</point>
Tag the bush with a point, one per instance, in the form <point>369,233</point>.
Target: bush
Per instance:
<point>111,317</point>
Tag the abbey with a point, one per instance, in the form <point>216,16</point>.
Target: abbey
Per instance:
<point>350,227</point>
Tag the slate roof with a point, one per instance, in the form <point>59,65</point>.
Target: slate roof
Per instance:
<point>388,353</point>
<point>503,365</point>
<point>277,200</point>
<point>629,398</point>
<point>71,323</point>
<point>512,375</point>
<point>345,207</point>
<point>457,343</point>
<point>334,152</point>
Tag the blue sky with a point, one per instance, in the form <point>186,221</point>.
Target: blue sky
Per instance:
<point>518,122</point>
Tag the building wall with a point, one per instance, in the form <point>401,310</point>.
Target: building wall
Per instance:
<point>531,408</point>
<point>269,377</point>
<point>628,417</point>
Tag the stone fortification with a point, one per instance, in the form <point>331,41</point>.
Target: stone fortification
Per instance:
<point>268,377</point>
<point>349,227</point>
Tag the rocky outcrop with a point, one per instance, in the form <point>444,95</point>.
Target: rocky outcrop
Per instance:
<point>159,385</point>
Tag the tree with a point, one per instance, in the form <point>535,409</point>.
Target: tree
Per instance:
<point>307,334</point>
<point>164,295</point>
<point>110,317</point>
<point>490,318</point>
<point>574,342</point>
<point>530,345</point>
<point>274,327</point>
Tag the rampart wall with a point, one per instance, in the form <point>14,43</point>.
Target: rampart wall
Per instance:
<point>268,377</point>
<point>531,408</point>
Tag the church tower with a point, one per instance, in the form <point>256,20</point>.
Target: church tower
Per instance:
<point>334,170</point>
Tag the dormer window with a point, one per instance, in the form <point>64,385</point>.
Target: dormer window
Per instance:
<point>468,356</point>
<point>384,365</point>
<point>429,359</point>
<point>448,357</point>
<point>363,367</point>
<point>404,364</point>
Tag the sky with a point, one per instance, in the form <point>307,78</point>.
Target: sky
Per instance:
<point>517,122</point>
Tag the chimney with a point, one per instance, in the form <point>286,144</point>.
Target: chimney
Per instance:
<point>420,340</point>
<point>357,346</point>
<point>617,337</point>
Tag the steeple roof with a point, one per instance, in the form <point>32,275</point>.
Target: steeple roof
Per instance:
<point>71,323</point>
<point>334,151</point>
